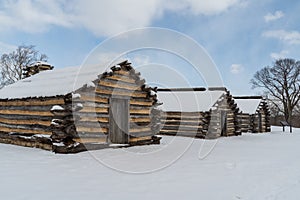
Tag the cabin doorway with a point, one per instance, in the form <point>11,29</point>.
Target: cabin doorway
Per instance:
<point>119,120</point>
<point>223,123</point>
<point>259,123</point>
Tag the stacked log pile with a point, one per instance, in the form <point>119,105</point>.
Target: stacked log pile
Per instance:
<point>244,120</point>
<point>27,118</point>
<point>189,124</point>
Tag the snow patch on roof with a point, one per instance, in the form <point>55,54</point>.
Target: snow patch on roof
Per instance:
<point>51,83</point>
<point>40,63</point>
<point>192,101</point>
<point>248,105</point>
<point>90,84</point>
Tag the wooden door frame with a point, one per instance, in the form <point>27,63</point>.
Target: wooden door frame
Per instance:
<point>124,130</point>
<point>223,122</point>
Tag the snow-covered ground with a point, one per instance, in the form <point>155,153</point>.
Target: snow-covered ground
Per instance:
<point>251,166</point>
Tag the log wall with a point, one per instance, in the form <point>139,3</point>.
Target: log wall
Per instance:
<point>204,124</point>
<point>245,122</point>
<point>189,124</point>
<point>81,117</point>
<point>28,116</point>
<point>223,118</point>
<point>92,120</point>
<point>260,121</point>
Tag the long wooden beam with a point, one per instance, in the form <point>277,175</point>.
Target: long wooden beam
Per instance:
<point>25,122</point>
<point>56,101</point>
<point>24,131</point>
<point>26,112</point>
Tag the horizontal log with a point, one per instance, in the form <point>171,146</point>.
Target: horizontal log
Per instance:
<point>231,126</point>
<point>119,92</point>
<point>42,143</point>
<point>27,126</point>
<point>119,85</point>
<point>141,102</point>
<point>122,72</point>
<point>230,129</point>
<point>141,134</point>
<point>182,133</point>
<point>26,112</point>
<point>33,102</point>
<point>140,111</point>
<point>91,135</point>
<point>184,119</point>
<point>142,119</point>
<point>181,129</point>
<point>185,113</point>
<point>123,79</point>
<point>147,129</point>
<point>185,128</point>
<point>93,109</point>
<point>178,122</point>
<point>90,140</point>
<point>90,124</point>
<point>24,131</point>
<point>91,129</point>
<point>94,104</point>
<point>139,124</point>
<point>26,117</point>
<point>181,117</point>
<point>137,139</point>
<point>28,108</point>
<point>25,122</point>
<point>93,99</point>
<point>140,107</point>
<point>94,119</point>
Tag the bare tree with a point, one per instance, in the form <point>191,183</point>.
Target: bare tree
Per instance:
<point>282,84</point>
<point>12,64</point>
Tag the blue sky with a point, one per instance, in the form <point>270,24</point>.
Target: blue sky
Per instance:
<point>241,36</point>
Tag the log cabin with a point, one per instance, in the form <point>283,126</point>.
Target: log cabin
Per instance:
<point>65,111</point>
<point>254,114</point>
<point>198,112</point>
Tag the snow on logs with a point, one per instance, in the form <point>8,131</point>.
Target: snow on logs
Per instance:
<point>214,115</point>
<point>82,117</point>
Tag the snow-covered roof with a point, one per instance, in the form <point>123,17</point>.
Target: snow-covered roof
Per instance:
<point>51,82</point>
<point>248,105</point>
<point>189,101</point>
<point>40,63</point>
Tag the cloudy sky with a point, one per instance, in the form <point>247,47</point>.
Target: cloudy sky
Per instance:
<point>241,36</point>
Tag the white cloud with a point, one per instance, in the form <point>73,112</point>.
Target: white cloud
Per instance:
<point>33,16</point>
<point>139,60</point>
<point>291,37</point>
<point>281,54</point>
<point>201,6</point>
<point>236,68</point>
<point>272,17</point>
<point>100,17</point>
